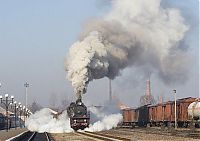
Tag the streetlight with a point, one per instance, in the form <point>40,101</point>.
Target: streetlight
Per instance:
<point>24,110</point>
<point>175,119</point>
<point>15,104</point>
<point>7,102</point>
<point>19,108</point>
<point>26,85</point>
<point>26,113</point>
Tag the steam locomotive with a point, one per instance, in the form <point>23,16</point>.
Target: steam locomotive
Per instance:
<point>79,116</point>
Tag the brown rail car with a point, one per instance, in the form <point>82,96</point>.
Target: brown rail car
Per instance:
<point>136,117</point>
<point>129,117</point>
<point>159,115</point>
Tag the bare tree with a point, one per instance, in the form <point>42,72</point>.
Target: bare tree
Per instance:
<point>65,101</point>
<point>35,107</point>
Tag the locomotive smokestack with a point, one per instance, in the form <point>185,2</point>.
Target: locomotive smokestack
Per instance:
<point>110,91</point>
<point>78,95</point>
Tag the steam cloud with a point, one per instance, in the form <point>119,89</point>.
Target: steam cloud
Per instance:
<point>134,33</point>
<point>104,118</point>
<point>43,121</point>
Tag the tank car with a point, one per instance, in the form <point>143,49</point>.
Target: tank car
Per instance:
<point>194,112</point>
<point>78,114</point>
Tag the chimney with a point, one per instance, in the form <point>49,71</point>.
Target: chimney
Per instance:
<point>148,87</point>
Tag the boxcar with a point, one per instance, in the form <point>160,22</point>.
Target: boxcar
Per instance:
<point>156,114</point>
<point>164,114</point>
<point>129,117</point>
<point>183,119</point>
<point>142,115</point>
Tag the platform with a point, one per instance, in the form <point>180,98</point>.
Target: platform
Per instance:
<point>4,135</point>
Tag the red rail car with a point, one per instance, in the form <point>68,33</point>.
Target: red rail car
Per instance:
<point>159,114</point>
<point>136,116</point>
<point>129,117</point>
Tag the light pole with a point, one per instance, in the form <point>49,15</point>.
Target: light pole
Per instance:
<point>7,102</point>
<point>20,109</point>
<point>24,110</point>
<point>26,114</point>
<point>26,85</point>
<point>15,104</point>
<point>175,119</point>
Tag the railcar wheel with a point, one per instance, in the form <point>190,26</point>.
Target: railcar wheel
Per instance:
<point>197,125</point>
<point>169,125</point>
<point>148,125</point>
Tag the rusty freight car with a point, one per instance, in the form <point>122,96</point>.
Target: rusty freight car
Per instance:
<point>160,114</point>
<point>142,115</point>
<point>129,117</point>
<point>164,114</point>
<point>136,116</point>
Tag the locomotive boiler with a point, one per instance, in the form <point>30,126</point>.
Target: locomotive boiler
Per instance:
<point>78,114</point>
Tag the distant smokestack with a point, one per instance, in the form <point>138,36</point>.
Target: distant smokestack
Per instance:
<point>110,91</point>
<point>148,87</point>
<point>147,98</point>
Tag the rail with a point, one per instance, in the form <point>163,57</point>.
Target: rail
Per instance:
<point>102,137</point>
<point>33,136</point>
<point>178,133</point>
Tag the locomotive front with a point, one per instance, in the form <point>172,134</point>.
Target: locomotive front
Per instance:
<point>79,116</point>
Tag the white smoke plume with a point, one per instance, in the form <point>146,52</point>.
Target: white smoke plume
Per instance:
<point>104,118</point>
<point>134,33</point>
<point>43,121</point>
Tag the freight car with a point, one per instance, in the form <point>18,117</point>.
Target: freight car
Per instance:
<point>194,112</point>
<point>136,116</point>
<point>160,114</point>
<point>79,116</point>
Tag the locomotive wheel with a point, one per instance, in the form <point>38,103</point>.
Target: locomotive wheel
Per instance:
<point>82,128</point>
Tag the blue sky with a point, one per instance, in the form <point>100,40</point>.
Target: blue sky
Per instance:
<point>35,37</point>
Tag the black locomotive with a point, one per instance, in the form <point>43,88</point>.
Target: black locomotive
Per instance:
<point>79,116</point>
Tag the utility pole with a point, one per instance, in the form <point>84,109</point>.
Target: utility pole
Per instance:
<point>175,119</point>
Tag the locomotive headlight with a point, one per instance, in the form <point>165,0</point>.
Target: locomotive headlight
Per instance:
<point>85,120</point>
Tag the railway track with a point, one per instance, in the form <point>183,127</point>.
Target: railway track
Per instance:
<point>178,133</point>
<point>33,136</point>
<point>102,137</point>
